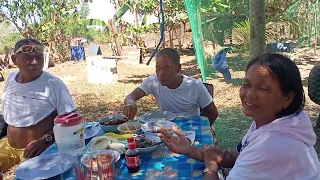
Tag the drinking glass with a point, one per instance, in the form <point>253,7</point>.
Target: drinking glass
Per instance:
<point>83,164</point>
<point>106,166</point>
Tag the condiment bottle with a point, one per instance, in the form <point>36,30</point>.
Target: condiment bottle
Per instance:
<point>132,158</point>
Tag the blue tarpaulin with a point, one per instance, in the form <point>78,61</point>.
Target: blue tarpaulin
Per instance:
<point>77,53</point>
<point>220,63</point>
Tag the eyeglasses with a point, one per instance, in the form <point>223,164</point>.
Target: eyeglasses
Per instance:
<point>30,48</point>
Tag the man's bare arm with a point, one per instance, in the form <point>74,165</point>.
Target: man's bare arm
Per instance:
<point>130,107</point>
<point>134,96</point>
<point>211,112</point>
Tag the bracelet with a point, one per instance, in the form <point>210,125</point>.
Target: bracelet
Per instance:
<point>209,169</point>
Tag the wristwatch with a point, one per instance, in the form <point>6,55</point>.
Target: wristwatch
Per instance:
<point>207,170</point>
<point>48,138</point>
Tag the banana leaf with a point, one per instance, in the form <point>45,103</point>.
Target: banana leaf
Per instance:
<point>93,22</point>
<point>122,10</point>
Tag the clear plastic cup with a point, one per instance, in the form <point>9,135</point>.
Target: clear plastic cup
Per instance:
<point>83,166</point>
<point>106,166</point>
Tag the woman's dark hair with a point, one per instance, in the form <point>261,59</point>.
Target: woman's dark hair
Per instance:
<point>288,75</point>
<point>25,41</point>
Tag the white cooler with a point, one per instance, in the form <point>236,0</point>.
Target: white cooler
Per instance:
<point>101,70</point>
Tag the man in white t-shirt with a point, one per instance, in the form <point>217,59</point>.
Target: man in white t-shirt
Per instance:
<point>31,100</point>
<point>174,92</point>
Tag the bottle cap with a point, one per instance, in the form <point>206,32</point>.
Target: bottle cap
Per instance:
<point>132,145</point>
<point>130,139</point>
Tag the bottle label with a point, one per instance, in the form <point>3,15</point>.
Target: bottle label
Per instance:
<point>80,141</point>
<point>133,162</point>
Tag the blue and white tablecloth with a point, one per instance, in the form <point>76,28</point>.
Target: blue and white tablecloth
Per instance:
<point>162,163</point>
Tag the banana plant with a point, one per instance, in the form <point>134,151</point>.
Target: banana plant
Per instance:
<point>110,26</point>
<point>115,33</point>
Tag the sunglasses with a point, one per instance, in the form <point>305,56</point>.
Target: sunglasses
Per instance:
<point>30,49</point>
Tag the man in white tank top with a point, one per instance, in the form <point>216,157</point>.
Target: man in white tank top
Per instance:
<point>31,100</point>
<point>174,92</point>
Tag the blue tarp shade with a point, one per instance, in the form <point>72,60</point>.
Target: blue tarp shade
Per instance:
<point>280,47</point>
<point>220,63</point>
<point>77,53</point>
<point>94,49</point>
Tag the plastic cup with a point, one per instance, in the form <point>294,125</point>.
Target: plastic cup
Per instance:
<point>106,166</point>
<point>83,166</point>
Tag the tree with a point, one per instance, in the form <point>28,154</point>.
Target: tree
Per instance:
<point>84,11</point>
<point>47,20</point>
<point>257,28</point>
<point>8,36</point>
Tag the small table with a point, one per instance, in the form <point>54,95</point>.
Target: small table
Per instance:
<point>162,163</point>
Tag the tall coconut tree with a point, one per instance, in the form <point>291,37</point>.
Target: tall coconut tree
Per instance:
<point>257,28</point>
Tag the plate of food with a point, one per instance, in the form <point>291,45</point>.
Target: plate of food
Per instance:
<point>103,143</point>
<point>157,115</point>
<point>44,166</point>
<point>191,135</point>
<point>111,123</point>
<point>130,128</point>
<point>152,127</point>
<point>146,143</point>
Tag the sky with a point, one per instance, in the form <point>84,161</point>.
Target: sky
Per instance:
<point>104,10</point>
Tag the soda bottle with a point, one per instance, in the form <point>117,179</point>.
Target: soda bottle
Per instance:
<point>130,139</point>
<point>132,158</point>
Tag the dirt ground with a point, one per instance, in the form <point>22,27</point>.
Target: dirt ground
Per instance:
<point>95,101</point>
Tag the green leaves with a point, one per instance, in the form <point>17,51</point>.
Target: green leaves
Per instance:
<point>122,10</point>
<point>93,22</point>
<point>8,36</point>
<point>40,19</point>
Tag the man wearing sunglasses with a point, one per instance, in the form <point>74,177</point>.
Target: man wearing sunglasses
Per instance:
<point>31,100</point>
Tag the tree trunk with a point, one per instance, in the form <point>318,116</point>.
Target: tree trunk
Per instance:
<point>164,40</point>
<point>7,57</point>
<point>115,40</point>
<point>315,28</point>
<point>257,28</point>
<point>180,37</point>
<point>137,25</point>
<point>171,38</point>
<point>52,55</point>
<point>307,15</point>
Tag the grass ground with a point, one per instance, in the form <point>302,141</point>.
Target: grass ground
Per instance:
<point>96,100</point>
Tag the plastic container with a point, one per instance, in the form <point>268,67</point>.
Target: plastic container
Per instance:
<point>132,158</point>
<point>69,133</point>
